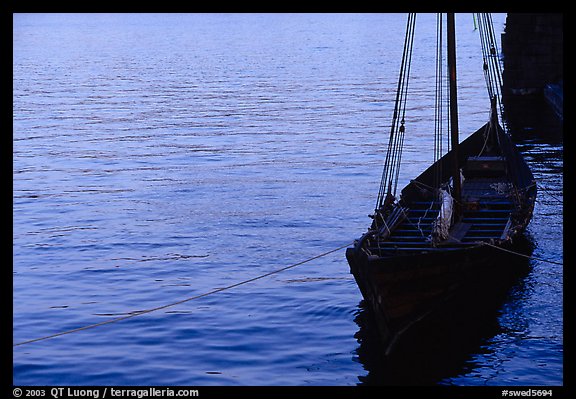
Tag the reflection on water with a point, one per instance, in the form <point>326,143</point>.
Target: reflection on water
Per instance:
<point>445,346</point>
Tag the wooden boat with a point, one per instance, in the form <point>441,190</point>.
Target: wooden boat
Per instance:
<point>454,224</point>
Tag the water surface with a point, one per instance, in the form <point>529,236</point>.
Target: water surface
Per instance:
<point>161,156</point>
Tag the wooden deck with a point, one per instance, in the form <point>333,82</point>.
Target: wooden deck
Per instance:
<point>486,213</point>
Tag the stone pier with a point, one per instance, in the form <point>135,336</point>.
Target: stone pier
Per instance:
<point>532,47</point>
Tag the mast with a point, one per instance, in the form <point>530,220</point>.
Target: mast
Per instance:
<point>457,194</point>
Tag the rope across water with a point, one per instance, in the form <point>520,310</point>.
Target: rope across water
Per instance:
<point>229,287</point>
<point>169,305</point>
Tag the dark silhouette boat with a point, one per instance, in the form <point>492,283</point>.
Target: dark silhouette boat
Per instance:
<point>455,225</point>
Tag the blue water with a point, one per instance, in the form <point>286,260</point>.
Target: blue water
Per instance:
<point>159,157</point>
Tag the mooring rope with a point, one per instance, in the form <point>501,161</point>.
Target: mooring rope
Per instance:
<point>523,255</point>
<point>560,200</point>
<point>217,290</point>
<point>155,309</point>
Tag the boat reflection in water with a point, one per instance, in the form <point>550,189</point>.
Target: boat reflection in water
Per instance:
<point>445,346</point>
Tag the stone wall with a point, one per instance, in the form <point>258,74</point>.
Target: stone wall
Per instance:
<point>532,46</point>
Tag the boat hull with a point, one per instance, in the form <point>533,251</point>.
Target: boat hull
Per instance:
<point>406,291</point>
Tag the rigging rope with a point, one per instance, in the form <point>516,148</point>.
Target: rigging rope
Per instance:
<point>441,101</point>
<point>492,67</point>
<point>438,109</point>
<point>215,291</point>
<point>390,174</point>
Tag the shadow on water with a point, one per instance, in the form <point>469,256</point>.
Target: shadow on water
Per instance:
<point>531,117</point>
<point>444,346</point>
